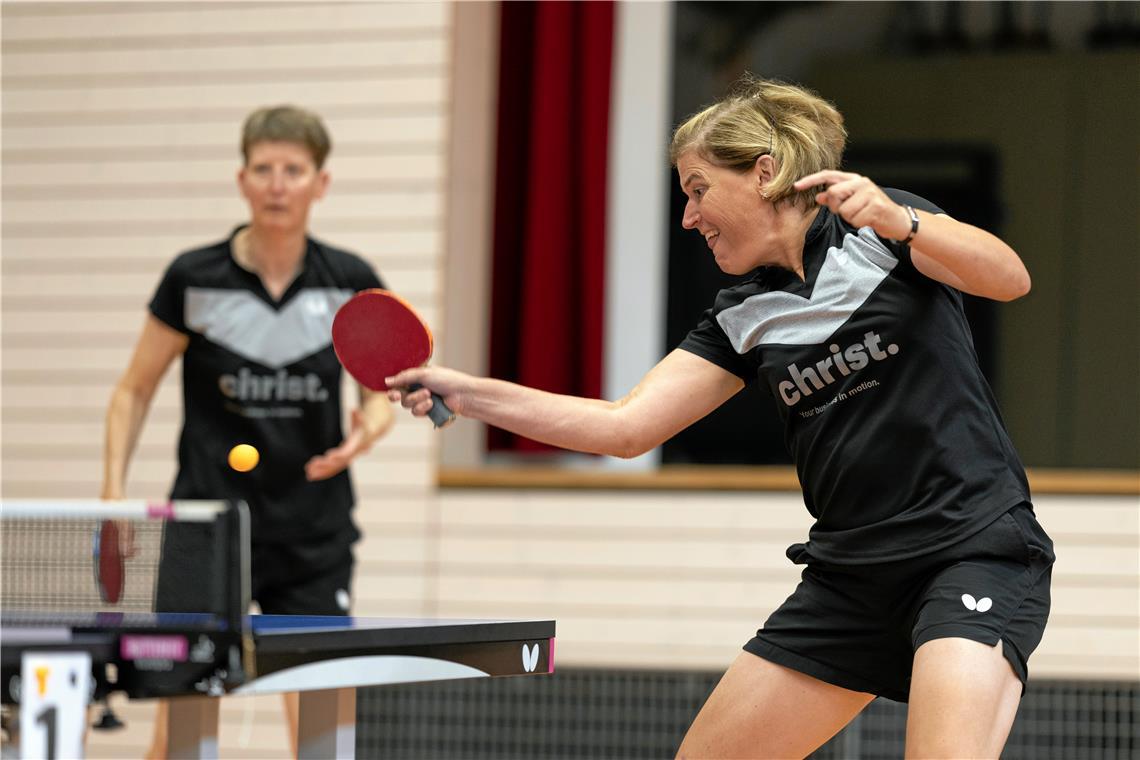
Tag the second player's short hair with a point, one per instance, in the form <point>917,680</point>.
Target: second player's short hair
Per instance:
<point>286,124</point>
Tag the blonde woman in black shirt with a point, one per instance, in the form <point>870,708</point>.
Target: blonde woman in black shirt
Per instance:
<point>925,575</point>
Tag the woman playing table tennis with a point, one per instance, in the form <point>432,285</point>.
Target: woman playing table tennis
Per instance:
<point>925,575</point>
<point>250,316</point>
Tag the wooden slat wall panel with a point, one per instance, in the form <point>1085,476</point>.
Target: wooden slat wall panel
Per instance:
<point>419,281</point>
<point>215,169</point>
<point>405,249</point>
<point>426,89</point>
<point>36,68</point>
<point>129,136</point>
<point>378,208</point>
<point>645,579</point>
<point>86,23</point>
<point>120,145</point>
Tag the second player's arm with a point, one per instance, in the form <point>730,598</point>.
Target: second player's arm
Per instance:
<point>376,416</point>
<point>680,390</point>
<point>369,422</point>
<point>157,348</point>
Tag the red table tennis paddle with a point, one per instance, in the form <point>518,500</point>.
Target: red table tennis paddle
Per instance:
<point>108,561</point>
<point>377,334</point>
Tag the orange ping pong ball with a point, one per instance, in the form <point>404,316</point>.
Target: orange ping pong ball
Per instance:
<point>243,457</point>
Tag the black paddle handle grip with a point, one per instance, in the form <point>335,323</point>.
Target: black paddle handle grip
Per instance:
<point>440,415</point>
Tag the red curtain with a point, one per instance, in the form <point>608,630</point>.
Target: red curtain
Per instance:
<point>550,200</point>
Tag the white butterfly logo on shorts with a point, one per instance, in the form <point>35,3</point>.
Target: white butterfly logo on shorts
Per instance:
<point>981,605</point>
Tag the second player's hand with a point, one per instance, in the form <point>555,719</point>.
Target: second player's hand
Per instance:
<point>336,460</point>
<point>859,201</point>
<point>453,387</point>
<point>127,546</point>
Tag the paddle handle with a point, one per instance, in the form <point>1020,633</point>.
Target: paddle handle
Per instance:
<point>440,415</point>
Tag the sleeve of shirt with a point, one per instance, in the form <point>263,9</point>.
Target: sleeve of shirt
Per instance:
<point>708,341</point>
<point>168,302</point>
<point>364,277</point>
<point>904,198</point>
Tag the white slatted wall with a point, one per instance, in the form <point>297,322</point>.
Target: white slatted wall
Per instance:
<point>120,144</point>
<point>684,579</point>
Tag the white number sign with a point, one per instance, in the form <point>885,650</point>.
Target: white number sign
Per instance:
<point>54,691</point>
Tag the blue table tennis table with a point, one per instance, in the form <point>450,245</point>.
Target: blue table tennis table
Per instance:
<point>324,658</point>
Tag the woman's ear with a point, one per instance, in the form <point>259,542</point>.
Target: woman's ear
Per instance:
<point>765,170</point>
<point>323,180</point>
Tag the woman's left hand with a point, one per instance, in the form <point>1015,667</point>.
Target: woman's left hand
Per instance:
<point>335,460</point>
<point>860,202</point>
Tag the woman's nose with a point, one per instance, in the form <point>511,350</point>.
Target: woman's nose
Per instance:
<point>689,218</point>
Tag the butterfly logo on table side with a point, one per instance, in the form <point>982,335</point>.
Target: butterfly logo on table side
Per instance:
<point>529,658</point>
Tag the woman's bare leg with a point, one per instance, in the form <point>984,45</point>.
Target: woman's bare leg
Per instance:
<point>764,710</point>
<point>292,713</point>
<point>157,748</point>
<point>963,699</point>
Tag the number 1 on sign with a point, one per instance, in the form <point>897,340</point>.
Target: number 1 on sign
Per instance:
<point>54,691</point>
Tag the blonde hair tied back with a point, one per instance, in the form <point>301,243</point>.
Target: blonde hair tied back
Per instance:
<point>800,130</point>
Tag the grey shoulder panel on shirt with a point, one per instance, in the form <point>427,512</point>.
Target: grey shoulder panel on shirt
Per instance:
<point>243,323</point>
<point>848,276</point>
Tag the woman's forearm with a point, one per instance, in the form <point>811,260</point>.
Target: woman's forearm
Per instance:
<point>680,390</point>
<point>125,416</point>
<point>981,263</point>
<point>589,425</point>
<point>376,415</point>
<point>157,347</point>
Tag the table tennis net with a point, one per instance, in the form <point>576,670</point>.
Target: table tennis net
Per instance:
<point>48,561</point>
<point>48,565</point>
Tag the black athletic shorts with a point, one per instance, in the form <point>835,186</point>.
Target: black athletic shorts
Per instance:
<point>858,626</point>
<point>310,578</point>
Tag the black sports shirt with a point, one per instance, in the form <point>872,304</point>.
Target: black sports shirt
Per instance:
<point>262,372</point>
<point>894,431</point>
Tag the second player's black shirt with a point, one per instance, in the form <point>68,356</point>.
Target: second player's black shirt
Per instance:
<point>262,372</point>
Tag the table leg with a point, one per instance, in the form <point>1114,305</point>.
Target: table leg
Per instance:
<point>326,724</point>
<point>192,727</point>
